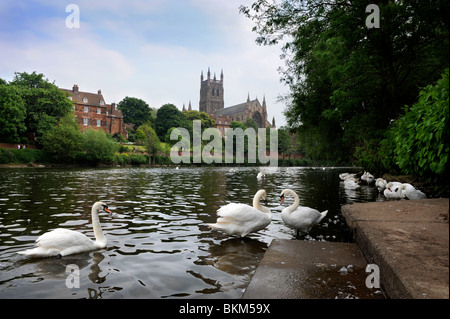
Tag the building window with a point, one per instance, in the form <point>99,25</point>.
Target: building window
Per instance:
<point>102,102</point>
<point>70,98</point>
<point>85,122</point>
<point>86,109</point>
<point>220,122</point>
<point>99,123</point>
<point>99,111</point>
<point>85,100</point>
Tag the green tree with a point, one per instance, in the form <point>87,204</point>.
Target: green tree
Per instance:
<point>205,119</point>
<point>44,102</point>
<point>135,111</point>
<point>151,140</point>
<point>12,114</point>
<point>284,142</point>
<point>347,82</point>
<point>98,146</point>
<point>63,140</point>
<point>169,116</point>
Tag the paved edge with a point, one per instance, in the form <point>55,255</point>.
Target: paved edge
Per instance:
<point>409,241</point>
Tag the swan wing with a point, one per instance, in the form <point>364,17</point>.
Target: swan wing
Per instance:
<point>61,241</point>
<point>240,219</point>
<point>303,218</point>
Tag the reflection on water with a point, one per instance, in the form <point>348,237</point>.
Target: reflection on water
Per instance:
<point>159,245</point>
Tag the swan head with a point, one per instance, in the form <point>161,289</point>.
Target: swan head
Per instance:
<point>284,193</point>
<point>101,206</point>
<point>263,195</point>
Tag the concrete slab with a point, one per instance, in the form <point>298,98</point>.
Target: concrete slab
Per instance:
<point>293,269</point>
<point>409,241</point>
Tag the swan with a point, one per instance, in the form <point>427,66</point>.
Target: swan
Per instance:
<point>62,242</point>
<point>260,176</point>
<point>380,183</point>
<point>344,176</point>
<point>393,190</point>
<point>367,177</point>
<point>242,219</point>
<point>410,192</point>
<point>301,218</point>
<point>351,183</point>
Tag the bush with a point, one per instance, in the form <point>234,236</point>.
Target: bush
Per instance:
<point>63,140</point>
<point>421,135</point>
<point>23,156</point>
<point>138,159</point>
<point>98,146</point>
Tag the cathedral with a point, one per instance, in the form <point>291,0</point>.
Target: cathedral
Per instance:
<point>212,103</point>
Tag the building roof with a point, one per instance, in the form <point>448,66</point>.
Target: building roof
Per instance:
<point>93,99</point>
<point>238,108</point>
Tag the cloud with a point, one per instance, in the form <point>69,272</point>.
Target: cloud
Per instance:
<point>153,50</point>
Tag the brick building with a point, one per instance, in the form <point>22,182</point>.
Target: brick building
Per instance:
<point>91,111</point>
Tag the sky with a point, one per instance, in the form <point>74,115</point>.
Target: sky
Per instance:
<point>154,50</point>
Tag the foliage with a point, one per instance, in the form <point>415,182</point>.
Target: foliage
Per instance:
<point>23,156</point>
<point>169,116</point>
<point>151,140</point>
<point>135,111</point>
<point>45,103</point>
<point>422,133</point>
<point>205,119</point>
<point>98,146</point>
<point>348,83</point>
<point>62,141</point>
<point>12,114</point>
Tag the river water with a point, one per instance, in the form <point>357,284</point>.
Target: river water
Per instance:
<point>159,245</point>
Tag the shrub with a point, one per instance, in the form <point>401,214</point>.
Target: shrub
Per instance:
<point>98,146</point>
<point>421,135</point>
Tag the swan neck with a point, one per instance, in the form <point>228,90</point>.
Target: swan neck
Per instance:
<point>256,200</point>
<point>98,232</point>
<point>296,201</point>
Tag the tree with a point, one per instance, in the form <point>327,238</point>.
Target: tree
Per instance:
<point>347,83</point>
<point>45,103</point>
<point>169,116</point>
<point>151,140</point>
<point>284,141</point>
<point>205,119</point>
<point>63,140</point>
<point>98,146</point>
<point>135,111</point>
<point>12,114</point>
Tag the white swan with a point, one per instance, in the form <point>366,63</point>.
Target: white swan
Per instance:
<point>410,192</point>
<point>393,191</point>
<point>351,183</point>
<point>242,219</point>
<point>367,177</point>
<point>344,176</point>
<point>63,242</point>
<point>301,218</point>
<point>260,176</point>
<point>380,183</point>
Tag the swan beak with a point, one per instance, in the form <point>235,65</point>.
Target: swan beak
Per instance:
<point>282,199</point>
<point>265,201</point>
<point>107,210</point>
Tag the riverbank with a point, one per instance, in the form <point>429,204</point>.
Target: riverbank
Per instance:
<point>407,240</point>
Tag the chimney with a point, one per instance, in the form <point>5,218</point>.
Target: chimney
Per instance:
<point>99,92</point>
<point>75,88</point>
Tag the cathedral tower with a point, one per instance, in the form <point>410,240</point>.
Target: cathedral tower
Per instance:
<point>211,93</point>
